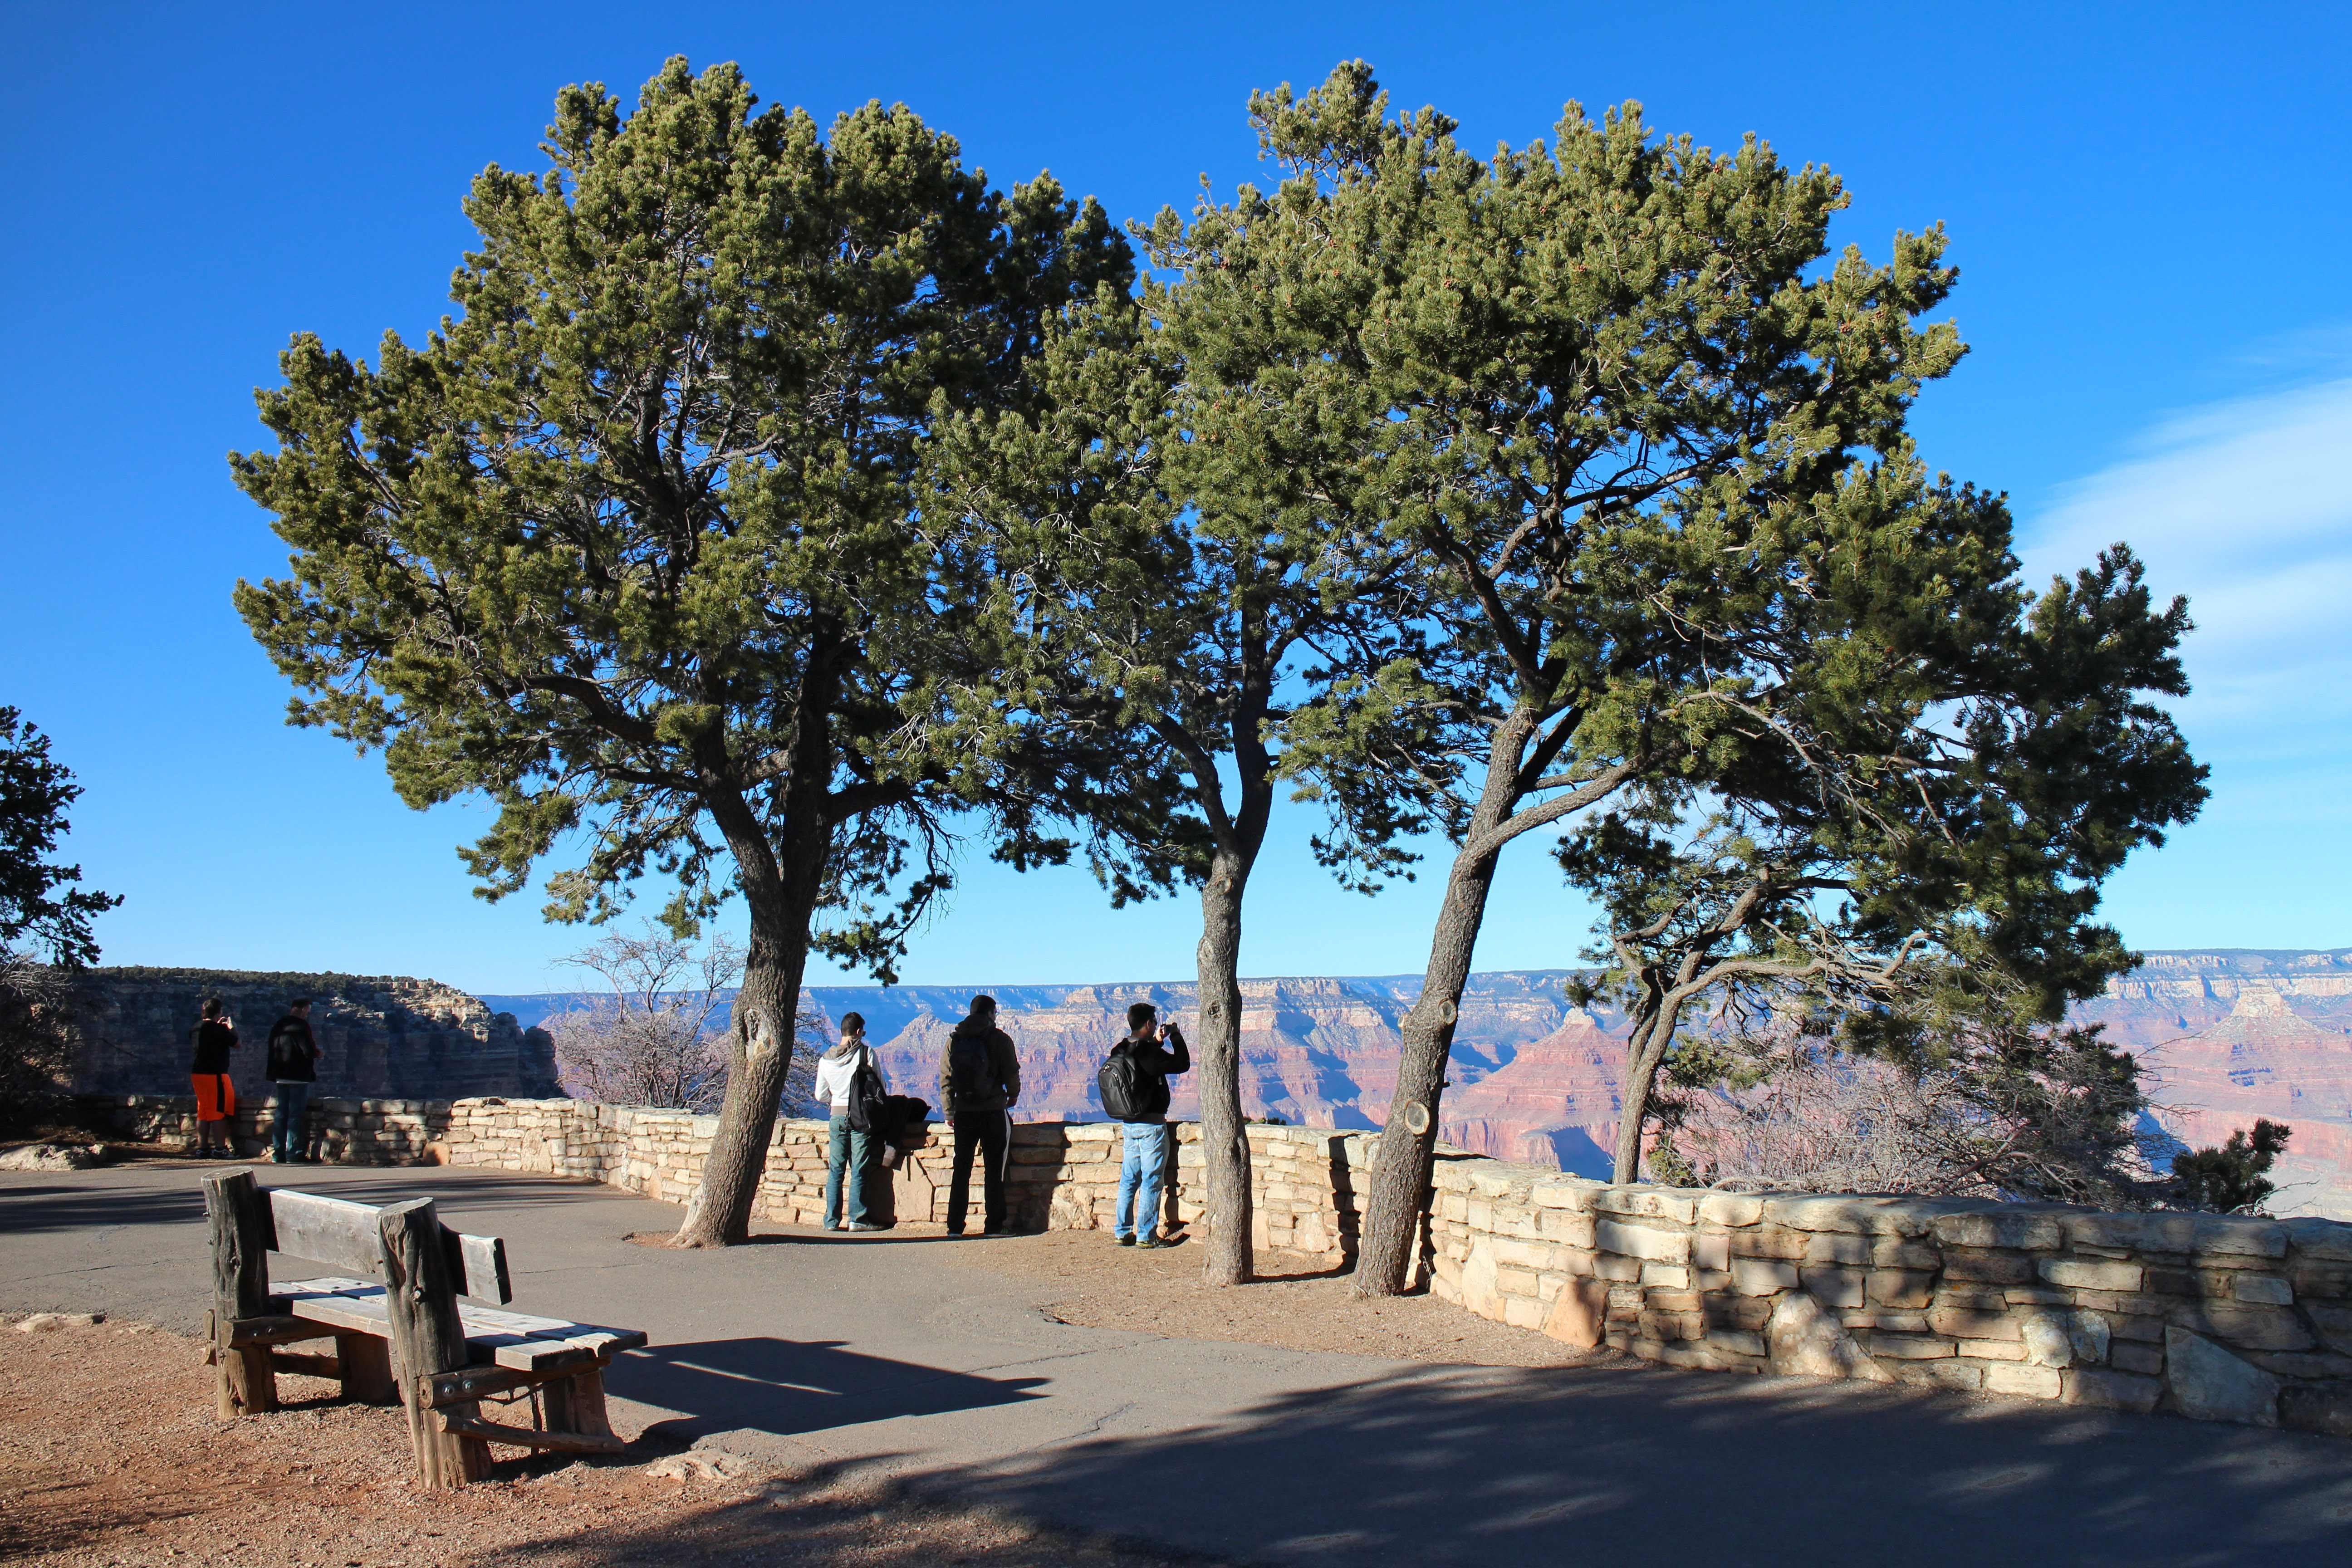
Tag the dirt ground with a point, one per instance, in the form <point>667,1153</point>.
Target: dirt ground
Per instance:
<point>109,1454</point>
<point>1298,1303</point>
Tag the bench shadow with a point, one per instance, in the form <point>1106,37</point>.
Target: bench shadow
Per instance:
<point>789,1386</point>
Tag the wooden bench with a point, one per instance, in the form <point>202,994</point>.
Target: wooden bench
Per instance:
<point>402,1335</point>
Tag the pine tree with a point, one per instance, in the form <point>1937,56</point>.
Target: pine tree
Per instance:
<point>630,545</point>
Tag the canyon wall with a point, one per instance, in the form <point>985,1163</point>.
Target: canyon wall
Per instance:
<point>2226,1036</point>
<point>385,1036</point>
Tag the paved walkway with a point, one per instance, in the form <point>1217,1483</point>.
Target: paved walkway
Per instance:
<point>866,1353</point>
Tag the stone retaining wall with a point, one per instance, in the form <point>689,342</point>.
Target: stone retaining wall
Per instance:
<point>2221,1318</point>
<point>2215,1317</point>
<point>1063,1176</point>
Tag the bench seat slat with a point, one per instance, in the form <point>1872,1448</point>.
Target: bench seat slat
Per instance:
<point>513,1339</point>
<point>327,1286</point>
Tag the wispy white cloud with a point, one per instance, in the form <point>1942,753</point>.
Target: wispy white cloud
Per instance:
<point>2246,507</point>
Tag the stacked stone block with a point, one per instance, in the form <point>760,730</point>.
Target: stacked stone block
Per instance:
<point>343,1132</point>
<point>2221,1318</point>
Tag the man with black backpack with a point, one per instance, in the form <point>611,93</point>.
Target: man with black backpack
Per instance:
<point>979,1083</point>
<point>1134,1086</point>
<point>850,1082</point>
<point>294,1067</point>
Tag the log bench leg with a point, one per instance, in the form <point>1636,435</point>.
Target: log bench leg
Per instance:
<point>243,1380</point>
<point>576,1404</point>
<point>248,1382</point>
<point>366,1369</point>
<point>236,1215</point>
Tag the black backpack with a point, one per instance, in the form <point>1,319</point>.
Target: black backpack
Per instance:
<point>971,1073</point>
<point>1121,1086</point>
<point>870,1110</point>
<point>290,1051</point>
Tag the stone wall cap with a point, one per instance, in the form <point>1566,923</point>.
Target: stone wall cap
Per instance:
<point>2241,1235</point>
<point>1574,1194</point>
<point>2316,1237</point>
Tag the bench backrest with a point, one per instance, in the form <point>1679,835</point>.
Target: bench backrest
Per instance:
<point>344,1235</point>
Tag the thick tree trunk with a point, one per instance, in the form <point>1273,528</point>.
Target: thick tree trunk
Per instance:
<point>780,883</point>
<point>1217,1058</point>
<point>760,1054</point>
<point>1399,1193</point>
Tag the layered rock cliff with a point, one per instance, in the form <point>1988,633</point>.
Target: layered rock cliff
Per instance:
<point>2226,1036</point>
<point>385,1036</point>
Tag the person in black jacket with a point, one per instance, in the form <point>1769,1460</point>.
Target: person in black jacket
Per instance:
<point>214,1038</point>
<point>294,1067</point>
<point>1157,1052</point>
<point>980,1082</point>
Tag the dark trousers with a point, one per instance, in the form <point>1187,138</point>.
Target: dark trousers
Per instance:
<point>291,1136</point>
<point>991,1133</point>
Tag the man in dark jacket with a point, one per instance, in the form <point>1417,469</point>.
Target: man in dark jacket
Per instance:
<point>1156,1051</point>
<point>979,1083</point>
<point>294,1069</point>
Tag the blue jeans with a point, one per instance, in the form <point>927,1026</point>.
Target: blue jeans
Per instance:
<point>843,1148</point>
<point>1142,1175</point>
<point>291,1136</point>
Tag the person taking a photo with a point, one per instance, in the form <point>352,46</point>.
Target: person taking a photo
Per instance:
<point>1134,1086</point>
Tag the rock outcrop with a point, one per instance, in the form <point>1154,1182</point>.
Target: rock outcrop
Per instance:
<point>2226,1036</point>
<point>385,1036</point>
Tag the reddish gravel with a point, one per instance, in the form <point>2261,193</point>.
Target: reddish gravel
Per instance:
<point>109,1454</point>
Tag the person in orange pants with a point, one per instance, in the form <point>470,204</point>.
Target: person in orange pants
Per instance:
<point>215,1037</point>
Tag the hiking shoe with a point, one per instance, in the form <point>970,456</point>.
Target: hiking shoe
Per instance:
<point>866,1224</point>
<point>1149,1241</point>
<point>1127,1241</point>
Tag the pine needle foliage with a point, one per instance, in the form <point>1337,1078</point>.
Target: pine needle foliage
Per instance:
<point>630,546</point>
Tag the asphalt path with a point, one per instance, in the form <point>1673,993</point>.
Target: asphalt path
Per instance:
<point>825,1355</point>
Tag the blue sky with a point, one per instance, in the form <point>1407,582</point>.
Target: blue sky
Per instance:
<point>2149,206</point>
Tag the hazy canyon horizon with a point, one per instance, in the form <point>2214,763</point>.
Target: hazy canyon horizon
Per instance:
<point>2225,1036</point>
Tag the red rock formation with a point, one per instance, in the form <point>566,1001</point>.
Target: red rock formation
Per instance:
<point>1555,1103</point>
<point>2226,1035</point>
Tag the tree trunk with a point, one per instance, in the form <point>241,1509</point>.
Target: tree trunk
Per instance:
<point>1641,1059</point>
<point>1645,1052</point>
<point>1399,1193</point>
<point>760,1055</point>
<point>1224,1136</point>
<point>780,884</point>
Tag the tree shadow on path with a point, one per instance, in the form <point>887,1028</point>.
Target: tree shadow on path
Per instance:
<point>1499,1467</point>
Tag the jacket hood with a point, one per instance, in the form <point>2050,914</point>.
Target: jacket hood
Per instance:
<point>845,1047</point>
<point>972,1026</point>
